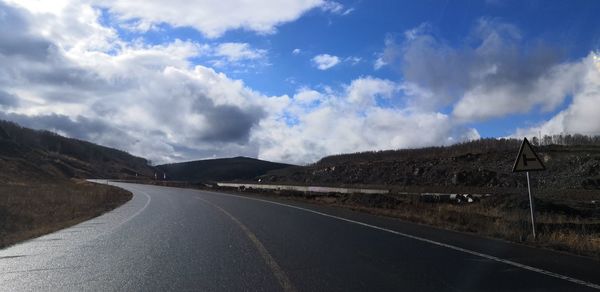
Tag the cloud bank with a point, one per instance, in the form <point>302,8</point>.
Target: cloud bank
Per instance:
<point>496,74</point>
<point>64,70</point>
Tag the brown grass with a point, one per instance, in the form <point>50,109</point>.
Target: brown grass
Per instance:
<point>574,234</point>
<point>29,210</point>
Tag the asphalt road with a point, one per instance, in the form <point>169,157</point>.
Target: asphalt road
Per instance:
<point>168,239</point>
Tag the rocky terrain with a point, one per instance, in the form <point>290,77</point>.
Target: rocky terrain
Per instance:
<point>484,165</point>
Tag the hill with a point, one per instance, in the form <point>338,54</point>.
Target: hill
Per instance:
<point>34,155</point>
<point>237,168</point>
<point>39,189</point>
<point>483,165</point>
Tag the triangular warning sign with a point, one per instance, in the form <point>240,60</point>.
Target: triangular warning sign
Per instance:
<point>527,160</point>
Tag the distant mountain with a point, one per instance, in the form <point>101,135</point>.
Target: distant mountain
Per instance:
<point>27,154</point>
<point>223,169</point>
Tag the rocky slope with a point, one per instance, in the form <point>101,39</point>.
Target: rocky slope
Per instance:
<point>479,165</point>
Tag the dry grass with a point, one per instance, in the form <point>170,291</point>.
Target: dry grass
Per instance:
<point>574,234</point>
<point>29,210</point>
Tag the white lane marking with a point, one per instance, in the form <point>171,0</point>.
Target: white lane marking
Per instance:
<point>490,257</point>
<point>278,272</point>
<point>44,257</point>
<point>138,212</point>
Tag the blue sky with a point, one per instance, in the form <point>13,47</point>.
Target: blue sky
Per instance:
<point>295,80</point>
<point>571,28</point>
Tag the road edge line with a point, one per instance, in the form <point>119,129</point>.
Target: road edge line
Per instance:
<point>449,246</point>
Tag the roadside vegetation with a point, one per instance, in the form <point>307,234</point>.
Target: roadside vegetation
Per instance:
<point>38,190</point>
<point>567,193</point>
<point>560,226</point>
<point>28,210</point>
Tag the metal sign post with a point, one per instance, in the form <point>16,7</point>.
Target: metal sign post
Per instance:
<point>531,206</point>
<point>527,160</point>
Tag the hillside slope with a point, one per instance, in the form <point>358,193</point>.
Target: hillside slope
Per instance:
<point>237,168</point>
<point>33,155</point>
<point>479,165</point>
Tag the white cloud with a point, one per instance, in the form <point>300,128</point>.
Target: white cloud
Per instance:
<point>581,116</point>
<point>151,101</point>
<point>63,70</point>
<point>235,52</point>
<point>364,91</point>
<point>336,8</point>
<point>214,17</point>
<point>333,7</point>
<point>296,52</point>
<point>353,60</point>
<point>325,61</point>
<point>379,63</point>
<point>348,11</point>
<point>148,100</point>
<point>307,96</point>
<point>496,74</point>
<point>350,121</point>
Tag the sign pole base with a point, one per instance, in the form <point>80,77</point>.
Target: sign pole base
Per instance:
<point>531,207</point>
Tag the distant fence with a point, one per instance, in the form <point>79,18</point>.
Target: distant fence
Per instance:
<point>304,189</point>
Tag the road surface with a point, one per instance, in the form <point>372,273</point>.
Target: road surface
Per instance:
<point>169,239</point>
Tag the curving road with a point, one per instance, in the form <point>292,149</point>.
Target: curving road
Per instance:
<point>188,240</point>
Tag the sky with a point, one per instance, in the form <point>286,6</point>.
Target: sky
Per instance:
<point>295,80</point>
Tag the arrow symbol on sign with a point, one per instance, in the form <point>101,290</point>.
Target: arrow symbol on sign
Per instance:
<point>525,159</point>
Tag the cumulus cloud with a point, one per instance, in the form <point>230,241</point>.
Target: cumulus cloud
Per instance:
<point>336,8</point>
<point>63,70</point>
<point>213,18</point>
<point>581,116</point>
<point>496,73</point>
<point>350,120</point>
<point>325,61</point>
<point>236,55</point>
<point>353,60</point>
<point>332,6</point>
<point>8,100</point>
<point>238,51</point>
<point>379,63</point>
<point>151,101</point>
<point>146,99</point>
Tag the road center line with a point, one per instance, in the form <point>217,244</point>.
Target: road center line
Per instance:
<point>278,272</point>
<point>490,257</point>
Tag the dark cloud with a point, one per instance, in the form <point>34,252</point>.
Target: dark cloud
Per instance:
<point>80,127</point>
<point>230,123</point>
<point>166,100</point>
<point>15,38</point>
<point>493,55</point>
<point>8,100</point>
<point>32,60</point>
<point>224,123</point>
